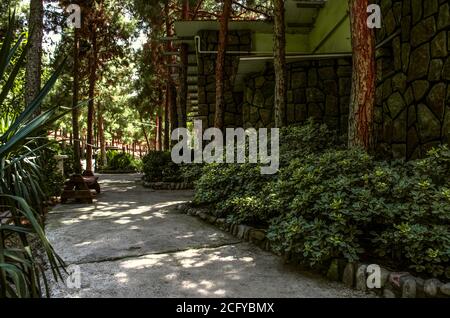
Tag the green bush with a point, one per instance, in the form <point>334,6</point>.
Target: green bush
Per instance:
<point>158,166</point>
<point>297,141</point>
<point>191,172</point>
<point>241,193</point>
<point>328,201</point>
<point>316,197</point>
<point>53,182</point>
<point>121,161</point>
<point>345,204</point>
<point>222,184</point>
<point>69,163</point>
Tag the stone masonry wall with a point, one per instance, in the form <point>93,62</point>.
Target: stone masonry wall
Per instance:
<point>413,94</point>
<point>317,89</point>
<point>238,41</point>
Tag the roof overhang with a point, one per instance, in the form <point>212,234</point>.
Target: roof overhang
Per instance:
<point>314,29</point>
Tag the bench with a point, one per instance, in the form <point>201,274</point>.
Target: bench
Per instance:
<point>91,181</point>
<point>80,188</point>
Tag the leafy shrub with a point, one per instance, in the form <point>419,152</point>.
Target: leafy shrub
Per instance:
<point>21,174</point>
<point>53,182</point>
<point>345,204</point>
<point>69,163</point>
<point>297,141</point>
<point>320,195</point>
<point>121,161</point>
<point>158,166</point>
<point>191,172</point>
<point>240,192</point>
<point>418,200</point>
<point>223,184</point>
<point>328,201</point>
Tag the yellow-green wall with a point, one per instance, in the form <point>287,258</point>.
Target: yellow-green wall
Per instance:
<point>331,33</point>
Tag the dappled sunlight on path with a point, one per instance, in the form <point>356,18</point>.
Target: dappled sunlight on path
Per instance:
<point>132,242</point>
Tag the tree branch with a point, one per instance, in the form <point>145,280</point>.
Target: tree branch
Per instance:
<point>265,14</point>
<point>197,9</point>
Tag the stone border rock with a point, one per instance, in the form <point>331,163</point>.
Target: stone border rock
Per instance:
<point>353,275</point>
<point>168,185</point>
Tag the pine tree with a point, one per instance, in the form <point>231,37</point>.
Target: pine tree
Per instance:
<point>362,100</point>
<point>75,97</point>
<point>279,47</point>
<point>34,53</point>
<point>220,64</point>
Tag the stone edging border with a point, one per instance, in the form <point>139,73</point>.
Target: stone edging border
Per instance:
<point>168,185</point>
<point>353,275</point>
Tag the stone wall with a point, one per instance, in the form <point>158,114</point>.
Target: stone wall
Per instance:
<point>238,41</point>
<point>412,111</point>
<point>413,94</point>
<point>317,89</point>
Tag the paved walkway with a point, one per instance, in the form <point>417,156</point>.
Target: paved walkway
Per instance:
<point>133,243</point>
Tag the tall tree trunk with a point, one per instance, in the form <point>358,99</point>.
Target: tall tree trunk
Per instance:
<point>185,10</point>
<point>173,107</point>
<point>91,104</point>
<point>170,87</point>
<point>34,55</point>
<point>166,139</point>
<point>101,135</point>
<point>182,95</point>
<point>147,140</point>
<point>75,113</point>
<point>279,50</point>
<point>159,128</point>
<point>362,100</point>
<point>158,133</point>
<point>220,64</point>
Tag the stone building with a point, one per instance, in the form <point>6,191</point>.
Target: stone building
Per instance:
<point>413,93</point>
<point>413,90</point>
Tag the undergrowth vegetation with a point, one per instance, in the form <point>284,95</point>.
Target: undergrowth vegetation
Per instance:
<point>121,161</point>
<point>159,167</point>
<point>24,180</point>
<point>328,201</point>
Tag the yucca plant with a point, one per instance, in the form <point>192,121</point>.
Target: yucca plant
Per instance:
<point>20,177</point>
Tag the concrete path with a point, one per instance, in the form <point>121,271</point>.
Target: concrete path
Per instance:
<point>133,243</point>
